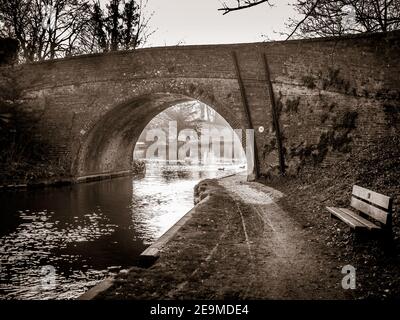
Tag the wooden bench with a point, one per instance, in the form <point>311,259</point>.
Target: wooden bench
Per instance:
<point>371,206</point>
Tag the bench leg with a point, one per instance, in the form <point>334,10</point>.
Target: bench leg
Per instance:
<point>360,237</point>
<point>386,240</point>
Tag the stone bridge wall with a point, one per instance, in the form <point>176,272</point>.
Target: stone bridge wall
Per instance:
<point>332,95</point>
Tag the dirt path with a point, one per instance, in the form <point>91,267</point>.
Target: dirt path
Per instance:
<point>287,261</point>
<point>238,244</point>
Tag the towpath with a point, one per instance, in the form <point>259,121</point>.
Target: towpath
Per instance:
<point>237,244</point>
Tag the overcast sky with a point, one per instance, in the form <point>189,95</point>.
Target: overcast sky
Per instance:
<point>199,22</point>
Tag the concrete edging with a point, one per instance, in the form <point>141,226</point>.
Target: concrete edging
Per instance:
<point>97,289</point>
<point>154,250</point>
<point>103,176</point>
<point>67,182</point>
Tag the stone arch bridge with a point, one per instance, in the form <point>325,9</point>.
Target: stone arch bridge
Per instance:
<point>91,109</point>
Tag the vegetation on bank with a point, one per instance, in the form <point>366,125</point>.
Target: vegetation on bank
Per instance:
<point>138,167</point>
<point>377,167</point>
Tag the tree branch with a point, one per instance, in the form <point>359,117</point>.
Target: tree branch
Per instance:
<point>242,5</point>
<point>304,19</point>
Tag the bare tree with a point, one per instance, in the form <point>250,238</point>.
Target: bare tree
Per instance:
<point>186,115</point>
<point>45,29</point>
<point>336,18</point>
<point>48,29</point>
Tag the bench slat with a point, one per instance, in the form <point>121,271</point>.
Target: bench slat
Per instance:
<point>371,196</point>
<point>371,226</point>
<point>353,223</point>
<point>374,212</point>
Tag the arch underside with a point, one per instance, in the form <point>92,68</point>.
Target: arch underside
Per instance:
<point>109,145</point>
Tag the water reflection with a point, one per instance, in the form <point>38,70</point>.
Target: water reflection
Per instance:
<point>88,232</point>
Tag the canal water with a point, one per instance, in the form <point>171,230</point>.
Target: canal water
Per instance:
<point>56,243</point>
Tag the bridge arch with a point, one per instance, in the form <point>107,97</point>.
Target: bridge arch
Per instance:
<point>107,148</point>
<point>83,106</point>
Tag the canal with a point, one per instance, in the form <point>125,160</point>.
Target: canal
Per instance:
<point>56,243</point>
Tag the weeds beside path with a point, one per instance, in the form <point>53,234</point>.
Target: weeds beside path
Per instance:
<point>377,262</point>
